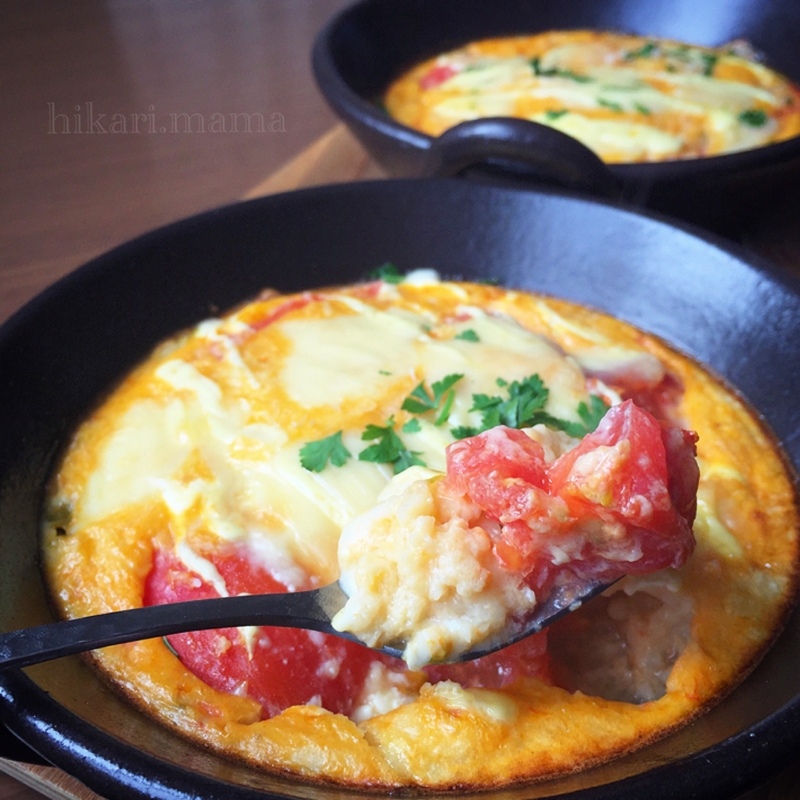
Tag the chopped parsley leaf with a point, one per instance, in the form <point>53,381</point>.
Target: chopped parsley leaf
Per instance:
<point>590,418</point>
<point>387,272</point>
<point>420,401</point>
<point>709,62</point>
<point>536,66</point>
<point>608,104</point>
<point>642,109</point>
<point>524,407</point>
<point>555,113</point>
<point>412,426</point>
<point>591,415</point>
<point>754,117</point>
<point>682,52</point>
<point>315,456</point>
<point>468,335</point>
<point>525,398</point>
<point>388,448</point>
<point>464,431</point>
<point>645,51</point>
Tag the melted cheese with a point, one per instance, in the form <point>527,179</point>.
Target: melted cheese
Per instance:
<point>334,359</point>
<point>149,444</point>
<point>414,578</point>
<point>628,98</point>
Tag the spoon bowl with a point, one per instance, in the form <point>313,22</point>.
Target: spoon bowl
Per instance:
<point>312,610</point>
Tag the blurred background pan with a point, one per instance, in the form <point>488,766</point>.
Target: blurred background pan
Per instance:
<point>363,48</point>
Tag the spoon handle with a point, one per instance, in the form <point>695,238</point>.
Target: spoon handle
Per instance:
<point>311,609</point>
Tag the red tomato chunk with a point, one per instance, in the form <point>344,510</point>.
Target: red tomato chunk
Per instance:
<point>621,502</point>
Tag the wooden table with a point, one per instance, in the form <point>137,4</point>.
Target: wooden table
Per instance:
<point>73,185</point>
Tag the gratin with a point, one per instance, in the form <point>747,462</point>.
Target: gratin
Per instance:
<point>230,461</point>
<point>628,98</point>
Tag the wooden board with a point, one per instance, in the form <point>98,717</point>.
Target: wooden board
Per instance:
<point>337,157</point>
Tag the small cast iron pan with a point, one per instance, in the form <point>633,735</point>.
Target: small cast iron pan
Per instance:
<point>63,351</point>
<point>366,46</point>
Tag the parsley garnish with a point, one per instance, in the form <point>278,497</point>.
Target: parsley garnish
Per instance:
<point>590,418</point>
<point>709,62</point>
<point>536,66</point>
<point>642,109</point>
<point>387,272</point>
<point>314,456</point>
<point>524,407</point>
<point>465,431</point>
<point>608,104</point>
<point>525,398</point>
<point>420,400</point>
<point>555,113</point>
<point>591,415</point>
<point>645,51</point>
<point>681,52</point>
<point>468,335</point>
<point>388,448</point>
<point>755,117</point>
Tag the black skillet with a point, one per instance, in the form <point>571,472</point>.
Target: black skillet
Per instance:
<point>368,44</point>
<point>60,353</point>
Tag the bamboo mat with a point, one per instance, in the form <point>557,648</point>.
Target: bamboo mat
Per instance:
<point>337,157</point>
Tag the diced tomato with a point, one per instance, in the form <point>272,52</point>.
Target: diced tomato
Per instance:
<point>282,310</point>
<point>684,473</point>
<point>436,76</point>
<point>502,470</point>
<point>624,497</point>
<point>660,399</point>
<point>621,469</point>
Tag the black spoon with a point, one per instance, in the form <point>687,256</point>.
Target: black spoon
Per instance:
<point>312,609</point>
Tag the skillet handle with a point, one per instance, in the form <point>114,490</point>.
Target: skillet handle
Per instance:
<point>15,749</point>
<point>521,152</point>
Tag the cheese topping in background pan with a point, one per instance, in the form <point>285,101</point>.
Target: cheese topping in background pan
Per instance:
<point>231,460</point>
<point>628,98</point>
